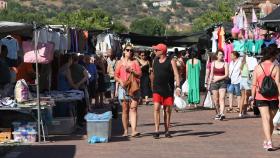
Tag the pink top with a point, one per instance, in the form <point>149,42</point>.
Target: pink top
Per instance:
<point>121,72</point>
<point>266,67</point>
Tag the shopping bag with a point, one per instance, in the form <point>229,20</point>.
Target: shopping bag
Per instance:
<point>179,102</point>
<point>21,91</point>
<point>208,102</point>
<point>185,87</point>
<point>276,119</point>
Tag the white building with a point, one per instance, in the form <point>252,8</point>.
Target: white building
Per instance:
<point>162,3</point>
<point>3,4</point>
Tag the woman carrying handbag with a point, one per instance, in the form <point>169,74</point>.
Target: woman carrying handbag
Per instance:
<point>127,74</point>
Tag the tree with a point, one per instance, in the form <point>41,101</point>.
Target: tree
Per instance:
<point>222,13</point>
<point>148,26</point>
<point>84,19</point>
<point>119,27</point>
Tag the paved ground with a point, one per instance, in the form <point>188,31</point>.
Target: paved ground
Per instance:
<point>196,135</point>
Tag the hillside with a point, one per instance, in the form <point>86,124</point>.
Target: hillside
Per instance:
<point>177,14</point>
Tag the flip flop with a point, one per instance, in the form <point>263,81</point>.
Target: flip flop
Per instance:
<point>136,135</point>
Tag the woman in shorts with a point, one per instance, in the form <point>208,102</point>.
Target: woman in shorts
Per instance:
<point>268,106</point>
<point>217,84</point>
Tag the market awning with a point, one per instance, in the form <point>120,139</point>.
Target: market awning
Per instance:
<point>16,28</point>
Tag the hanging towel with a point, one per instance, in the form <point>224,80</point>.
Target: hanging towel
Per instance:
<point>254,16</point>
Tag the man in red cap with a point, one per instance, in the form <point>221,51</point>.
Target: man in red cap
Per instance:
<point>164,72</point>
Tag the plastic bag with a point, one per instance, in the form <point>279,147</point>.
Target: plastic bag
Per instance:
<point>208,102</point>
<point>179,102</point>
<point>276,119</point>
<point>94,117</point>
<point>185,87</point>
<point>96,139</point>
<point>21,91</point>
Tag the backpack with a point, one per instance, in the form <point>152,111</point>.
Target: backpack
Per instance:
<point>269,87</point>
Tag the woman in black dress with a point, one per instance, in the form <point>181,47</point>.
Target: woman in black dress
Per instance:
<point>145,84</point>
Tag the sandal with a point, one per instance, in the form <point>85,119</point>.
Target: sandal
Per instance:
<point>237,110</point>
<point>136,135</point>
<point>229,110</point>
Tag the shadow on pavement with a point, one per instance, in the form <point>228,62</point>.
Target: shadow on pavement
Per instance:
<point>153,124</point>
<point>47,151</point>
<point>192,124</point>
<point>201,134</point>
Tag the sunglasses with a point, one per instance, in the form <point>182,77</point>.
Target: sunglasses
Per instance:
<point>142,55</point>
<point>128,50</point>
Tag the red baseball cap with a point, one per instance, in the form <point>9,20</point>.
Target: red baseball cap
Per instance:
<point>162,47</point>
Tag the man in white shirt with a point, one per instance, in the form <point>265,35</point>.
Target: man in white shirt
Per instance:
<point>235,76</point>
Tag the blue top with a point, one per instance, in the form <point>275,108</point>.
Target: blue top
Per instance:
<point>91,68</point>
<point>12,46</point>
<point>63,84</point>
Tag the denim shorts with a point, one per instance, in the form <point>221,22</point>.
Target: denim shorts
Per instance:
<point>272,104</point>
<point>234,89</point>
<point>245,84</point>
<point>218,85</point>
<point>122,94</point>
<point>112,86</point>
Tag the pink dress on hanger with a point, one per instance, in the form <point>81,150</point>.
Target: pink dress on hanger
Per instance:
<point>235,28</point>
<point>228,49</point>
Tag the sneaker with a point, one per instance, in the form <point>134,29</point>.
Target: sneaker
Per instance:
<point>241,116</point>
<point>269,146</point>
<point>217,117</point>
<point>222,117</point>
<point>156,135</point>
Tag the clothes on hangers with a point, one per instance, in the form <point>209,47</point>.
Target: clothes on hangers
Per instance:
<point>12,46</point>
<point>221,38</point>
<point>103,43</point>
<point>214,41</point>
<point>228,49</point>
<point>239,46</point>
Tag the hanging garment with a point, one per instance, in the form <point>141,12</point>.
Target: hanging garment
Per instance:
<point>63,44</point>
<point>45,55</point>
<point>12,46</point>
<point>221,38</point>
<point>228,49</point>
<point>239,46</point>
<point>240,19</point>
<point>103,43</point>
<point>193,82</point>
<point>235,28</point>
<point>258,45</point>
<point>269,42</point>
<point>43,35</point>
<point>55,38</point>
<point>254,16</point>
<point>214,41</point>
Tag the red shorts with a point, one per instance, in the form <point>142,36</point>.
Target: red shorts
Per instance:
<point>165,101</point>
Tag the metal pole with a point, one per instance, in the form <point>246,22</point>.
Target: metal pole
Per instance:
<point>37,83</point>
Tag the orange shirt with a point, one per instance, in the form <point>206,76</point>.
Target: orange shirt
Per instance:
<point>121,72</point>
<point>25,71</point>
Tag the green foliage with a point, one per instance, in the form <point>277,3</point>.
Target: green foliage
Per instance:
<point>189,3</point>
<point>148,26</point>
<point>222,13</point>
<point>85,19</point>
<point>119,27</point>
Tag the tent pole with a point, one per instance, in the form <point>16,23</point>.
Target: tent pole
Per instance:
<point>37,82</point>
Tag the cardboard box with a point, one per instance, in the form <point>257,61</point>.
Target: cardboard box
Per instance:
<point>5,134</point>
